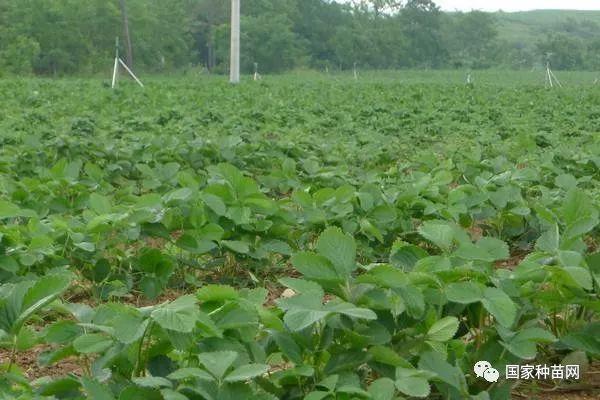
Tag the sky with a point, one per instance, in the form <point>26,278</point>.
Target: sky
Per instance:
<point>517,5</point>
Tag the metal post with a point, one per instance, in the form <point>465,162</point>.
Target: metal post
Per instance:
<point>234,62</point>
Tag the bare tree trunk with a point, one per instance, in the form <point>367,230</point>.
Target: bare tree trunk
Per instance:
<point>211,48</point>
<point>128,48</point>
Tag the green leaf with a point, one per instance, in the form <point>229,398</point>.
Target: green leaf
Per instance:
<point>214,203</point>
<point>186,373</point>
<point>92,343</point>
<point>139,393</point>
<point>86,246</point>
<point>129,327</point>
<point>62,332</point>
<point>246,372</point>
<point>439,233</point>
<point>218,362</point>
<point>581,276</point>
<point>339,249</point>
<point>8,264</point>
<point>496,248</point>
<point>317,395</point>
<point>303,286</point>
<point>382,389</point>
<point>303,310</point>
<point>549,241</point>
<point>443,330</point>
<point>351,310</point>
<point>497,303</point>
<point>217,293</point>
<point>524,343</point>
<point>315,267</point>
<point>10,210</point>
<point>297,320</point>
<point>386,355</point>
<point>179,315</point>
<point>465,292</point>
<point>237,246</point>
<point>152,382</point>
<point>30,298</point>
<point>288,346</point>
<point>189,243</point>
<point>406,256</point>
<point>413,386</point>
<point>447,373</point>
<point>100,204</point>
<point>95,390</point>
<point>182,194</point>
<point>170,394</point>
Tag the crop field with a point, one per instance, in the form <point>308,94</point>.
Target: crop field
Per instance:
<point>300,237</point>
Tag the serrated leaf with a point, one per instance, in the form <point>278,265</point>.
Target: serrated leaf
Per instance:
<point>315,267</point>
<point>95,390</point>
<point>246,372</point>
<point>215,203</point>
<point>100,204</point>
<point>182,194</point>
<point>216,293</point>
<point>339,249</point>
<point>443,330</point>
<point>179,315</point>
<point>465,292</point>
<point>351,310</point>
<point>382,389</point>
<point>237,246</point>
<point>439,233</point>
<point>186,373</point>
<point>497,303</point>
<point>218,362</point>
<point>413,386</point>
<point>92,343</point>
<point>152,382</point>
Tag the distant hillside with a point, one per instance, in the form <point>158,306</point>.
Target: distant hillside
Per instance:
<point>529,26</point>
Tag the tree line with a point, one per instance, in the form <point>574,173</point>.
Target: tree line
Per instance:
<point>78,36</point>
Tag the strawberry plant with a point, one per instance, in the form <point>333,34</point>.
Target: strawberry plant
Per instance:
<point>331,240</point>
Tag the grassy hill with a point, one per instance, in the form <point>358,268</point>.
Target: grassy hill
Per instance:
<point>527,27</point>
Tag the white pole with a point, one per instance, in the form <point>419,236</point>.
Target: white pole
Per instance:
<point>555,78</point>
<point>115,72</point>
<point>234,63</point>
<point>131,73</point>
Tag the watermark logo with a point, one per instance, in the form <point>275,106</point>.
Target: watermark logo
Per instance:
<point>483,369</point>
<point>542,372</point>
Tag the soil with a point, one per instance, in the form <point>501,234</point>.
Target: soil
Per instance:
<point>27,362</point>
<point>588,388</point>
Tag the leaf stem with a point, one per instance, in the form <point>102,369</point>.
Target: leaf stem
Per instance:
<point>138,362</point>
<point>13,354</point>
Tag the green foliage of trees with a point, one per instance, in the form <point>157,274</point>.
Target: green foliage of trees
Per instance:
<point>78,36</point>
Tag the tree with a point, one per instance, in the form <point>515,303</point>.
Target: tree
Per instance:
<point>421,21</point>
<point>473,40</point>
<point>379,6</point>
<point>562,51</point>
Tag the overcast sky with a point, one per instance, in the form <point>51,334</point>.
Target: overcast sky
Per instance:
<point>517,5</point>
